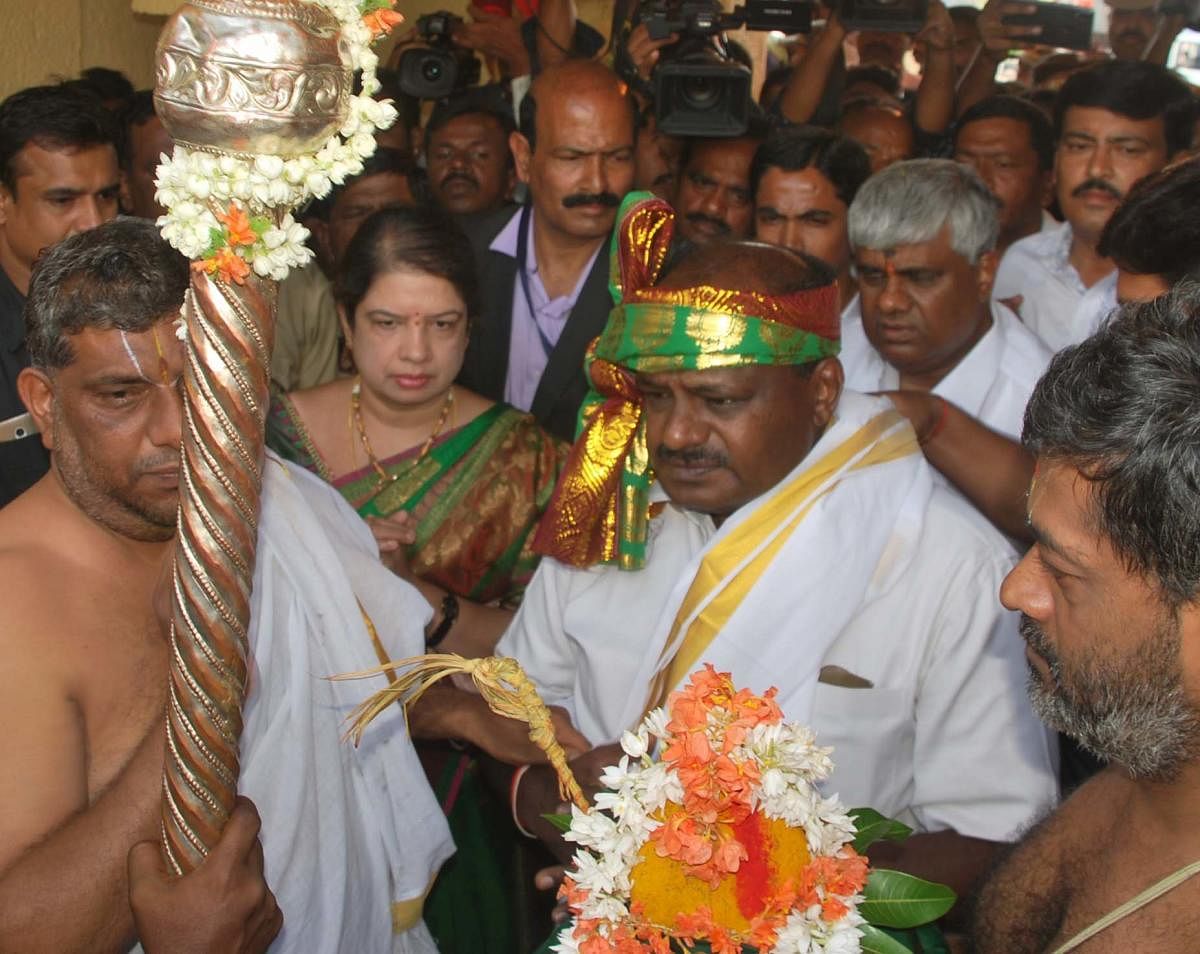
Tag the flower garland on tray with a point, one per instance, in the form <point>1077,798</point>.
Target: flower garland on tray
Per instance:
<point>218,206</point>
<point>725,843</point>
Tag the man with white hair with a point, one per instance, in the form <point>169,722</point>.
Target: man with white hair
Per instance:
<point>924,236</point>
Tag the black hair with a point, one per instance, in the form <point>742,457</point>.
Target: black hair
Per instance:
<point>485,100</point>
<point>415,239</point>
<point>107,84</point>
<point>1155,230</point>
<point>52,117</point>
<point>840,160</point>
<point>138,109</point>
<point>1123,408</point>
<point>880,76</point>
<point>121,274</point>
<point>1133,89</point>
<point>1041,132</point>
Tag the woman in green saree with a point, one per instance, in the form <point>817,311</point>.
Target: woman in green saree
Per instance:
<point>453,486</point>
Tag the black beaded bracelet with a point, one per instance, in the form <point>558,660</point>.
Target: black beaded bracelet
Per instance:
<point>449,615</point>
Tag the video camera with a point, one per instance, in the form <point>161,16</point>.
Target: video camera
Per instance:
<point>441,68</point>
<point>698,89</point>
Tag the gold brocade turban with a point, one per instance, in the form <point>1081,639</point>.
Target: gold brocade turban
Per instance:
<point>600,509</point>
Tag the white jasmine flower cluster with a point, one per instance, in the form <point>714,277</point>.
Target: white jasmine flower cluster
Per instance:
<point>806,933</point>
<point>193,185</point>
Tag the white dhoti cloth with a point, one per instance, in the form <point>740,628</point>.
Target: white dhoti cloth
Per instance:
<point>346,831</point>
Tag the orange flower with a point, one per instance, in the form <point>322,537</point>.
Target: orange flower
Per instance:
<point>237,226</point>
<point>226,265</point>
<point>698,924</point>
<point>380,22</point>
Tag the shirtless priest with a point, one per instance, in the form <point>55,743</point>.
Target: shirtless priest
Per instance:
<point>1111,600</point>
<point>728,503</point>
<point>351,837</point>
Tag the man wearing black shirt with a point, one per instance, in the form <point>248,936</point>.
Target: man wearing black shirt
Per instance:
<point>58,176</point>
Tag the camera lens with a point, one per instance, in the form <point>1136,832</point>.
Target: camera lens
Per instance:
<point>431,70</point>
<point>700,92</point>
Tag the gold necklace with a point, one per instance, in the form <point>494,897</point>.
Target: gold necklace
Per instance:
<point>356,416</point>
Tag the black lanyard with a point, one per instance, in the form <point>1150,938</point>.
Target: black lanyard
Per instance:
<point>522,254</point>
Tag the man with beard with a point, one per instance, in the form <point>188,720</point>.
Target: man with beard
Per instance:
<point>1111,619</point>
<point>543,270</point>
<point>466,153</point>
<point>1115,123</point>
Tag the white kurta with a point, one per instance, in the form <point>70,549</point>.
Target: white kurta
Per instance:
<point>1038,269</point>
<point>992,383</point>
<point>944,737</point>
<point>346,831</point>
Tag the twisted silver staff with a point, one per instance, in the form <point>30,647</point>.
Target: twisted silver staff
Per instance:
<point>230,331</point>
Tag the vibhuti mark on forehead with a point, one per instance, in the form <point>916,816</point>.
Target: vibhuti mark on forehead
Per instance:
<point>164,372</point>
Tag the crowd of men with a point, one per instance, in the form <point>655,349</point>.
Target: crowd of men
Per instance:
<point>961,405</point>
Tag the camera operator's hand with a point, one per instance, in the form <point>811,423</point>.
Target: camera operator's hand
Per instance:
<point>937,35</point>
<point>1000,37</point>
<point>643,51</point>
<point>497,38</point>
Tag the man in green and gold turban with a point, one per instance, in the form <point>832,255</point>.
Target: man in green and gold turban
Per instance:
<point>727,503</point>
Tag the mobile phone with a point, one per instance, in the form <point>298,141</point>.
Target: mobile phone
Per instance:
<point>1063,25</point>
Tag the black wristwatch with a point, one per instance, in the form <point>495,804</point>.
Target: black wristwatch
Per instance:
<point>449,615</point>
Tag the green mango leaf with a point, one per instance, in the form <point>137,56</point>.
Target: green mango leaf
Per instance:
<point>874,941</point>
<point>897,900</point>
<point>561,822</point>
<point>873,827</point>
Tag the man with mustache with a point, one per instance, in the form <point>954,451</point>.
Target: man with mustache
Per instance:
<point>58,176</point>
<point>717,420</point>
<point>466,153</point>
<point>543,269</point>
<point>1132,26</point>
<point>1115,123</point>
<point>713,196</point>
<point>927,332</point>
<point>1109,599</point>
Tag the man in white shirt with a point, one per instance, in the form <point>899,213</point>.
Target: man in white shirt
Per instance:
<point>791,534</point>
<point>1153,240</point>
<point>929,335</point>
<point>1115,122</point>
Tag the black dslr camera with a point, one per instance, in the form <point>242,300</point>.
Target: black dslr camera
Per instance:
<point>698,89</point>
<point>440,69</point>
